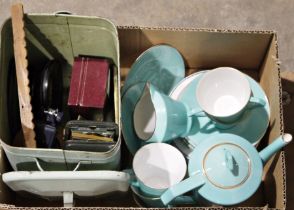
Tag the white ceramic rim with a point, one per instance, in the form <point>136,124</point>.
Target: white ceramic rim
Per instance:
<point>211,72</point>
<point>174,150</point>
<point>138,130</point>
<point>177,91</point>
<point>182,85</point>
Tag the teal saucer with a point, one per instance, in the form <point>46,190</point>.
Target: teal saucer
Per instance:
<point>252,125</point>
<point>128,103</point>
<point>155,202</point>
<point>161,65</point>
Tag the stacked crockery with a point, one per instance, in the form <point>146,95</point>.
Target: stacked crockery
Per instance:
<point>214,117</point>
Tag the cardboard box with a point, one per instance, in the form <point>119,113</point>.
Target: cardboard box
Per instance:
<point>253,52</point>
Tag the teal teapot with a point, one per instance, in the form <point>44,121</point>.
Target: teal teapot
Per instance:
<point>225,169</point>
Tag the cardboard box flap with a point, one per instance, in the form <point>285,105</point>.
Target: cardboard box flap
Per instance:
<point>201,49</point>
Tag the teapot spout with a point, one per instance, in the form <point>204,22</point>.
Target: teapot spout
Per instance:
<point>274,147</point>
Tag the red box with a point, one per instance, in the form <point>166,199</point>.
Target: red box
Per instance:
<point>89,80</point>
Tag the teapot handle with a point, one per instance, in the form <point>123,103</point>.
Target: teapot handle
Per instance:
<point>184,186</point>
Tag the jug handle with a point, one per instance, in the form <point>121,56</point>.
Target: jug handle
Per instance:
<point>184,186</point>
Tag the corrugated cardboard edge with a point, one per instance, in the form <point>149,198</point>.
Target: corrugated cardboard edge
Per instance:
<point>199,29</point>
<point>282,119</point>
<point>5,206</point>
<point>282,154</point>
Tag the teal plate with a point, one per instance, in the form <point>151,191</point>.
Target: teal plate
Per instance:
<point>128,103</point>
<point>161,65</point>
<point>252,126</point>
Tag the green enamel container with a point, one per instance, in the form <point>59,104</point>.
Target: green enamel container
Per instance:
<point>62,37</point>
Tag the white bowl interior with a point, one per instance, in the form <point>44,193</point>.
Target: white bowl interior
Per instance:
<point>223,91</point>
<point>159,165</point>
<point>144,116</point>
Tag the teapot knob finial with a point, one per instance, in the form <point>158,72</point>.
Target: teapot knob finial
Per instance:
<point>229,160</point>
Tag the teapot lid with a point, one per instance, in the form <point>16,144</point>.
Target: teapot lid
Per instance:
<point>231,167</point>
<point>226,165</point>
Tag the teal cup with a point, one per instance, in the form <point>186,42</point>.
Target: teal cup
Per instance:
<point>157,167</point>
<point>223,94</point>
<point>159,118</point>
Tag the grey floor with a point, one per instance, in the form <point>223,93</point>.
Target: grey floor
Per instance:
<point>277,15</point>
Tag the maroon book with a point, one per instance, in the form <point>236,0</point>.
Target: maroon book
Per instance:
<point>88,86</point>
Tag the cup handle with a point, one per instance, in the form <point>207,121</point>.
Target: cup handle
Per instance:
<point>256,102</point>
<point>197,113</point>
<point>184,186</point>
<point>132,178</point>
<point>135,183</point>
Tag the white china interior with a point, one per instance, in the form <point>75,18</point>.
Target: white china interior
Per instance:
<point>223,92</point>
<point>144,116</point>
<point>159,165</point>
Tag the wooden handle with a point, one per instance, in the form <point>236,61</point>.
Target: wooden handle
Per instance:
<point>21,64</point>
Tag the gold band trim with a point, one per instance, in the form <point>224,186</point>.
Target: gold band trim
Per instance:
<point>221,186</point>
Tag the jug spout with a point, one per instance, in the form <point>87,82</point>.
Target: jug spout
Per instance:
<point>274,147</point>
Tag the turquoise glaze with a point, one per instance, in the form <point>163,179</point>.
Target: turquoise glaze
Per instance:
<point>267,152</point>
<point>128,103</point>
<point>147,191</point>
<point>232,120</point>
<point>172,118</point>
<point>225,169</point>
<point>155,202</point>
<point>255,119</point>
<point>144,189</point>
<point>161,65</point>
<point>151,197</point>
